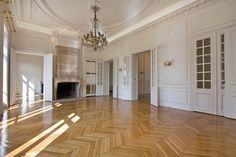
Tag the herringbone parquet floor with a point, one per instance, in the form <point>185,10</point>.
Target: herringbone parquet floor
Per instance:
<point>107,127</point>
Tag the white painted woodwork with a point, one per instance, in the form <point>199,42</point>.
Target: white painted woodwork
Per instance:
<point>100,78</point>
<point>90,71</point>
<point>230,64</point>
<point>107,80</point>
<point>134,77</point>
<point>116,72</point>
<point>205,89</point>
<point>125,77</point>
<point>171,35</point>
<point>12,76</point>
<point>172,38</point>
<point>1,55</point>
<point>221,73</point>
<point>6,56</point>
<point>51,16</point>
<point>154,77</point>
<point>48,77</point>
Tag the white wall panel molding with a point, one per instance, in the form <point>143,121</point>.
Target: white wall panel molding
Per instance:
<point>152,21</point>
<point>174,98</point>
<point>214,17</point>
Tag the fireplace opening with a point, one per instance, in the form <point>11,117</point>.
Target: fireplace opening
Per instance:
<point>67,90</point>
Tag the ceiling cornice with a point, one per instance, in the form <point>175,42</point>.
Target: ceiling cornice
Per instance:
<point>177,6</point>
<point>158,15</point>
<point>147,4</point>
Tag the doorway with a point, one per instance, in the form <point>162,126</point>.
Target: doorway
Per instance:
<point>209,73</point>
<point>111,78</point>
<point>29,78</point>
<point>143,75</point>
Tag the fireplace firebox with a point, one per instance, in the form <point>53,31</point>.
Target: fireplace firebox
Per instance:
<point>67,90</point>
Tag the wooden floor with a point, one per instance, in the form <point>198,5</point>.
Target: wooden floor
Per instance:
<point>107,127</point>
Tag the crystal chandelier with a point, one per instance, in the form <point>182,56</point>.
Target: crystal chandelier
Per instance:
<point>94,39</point>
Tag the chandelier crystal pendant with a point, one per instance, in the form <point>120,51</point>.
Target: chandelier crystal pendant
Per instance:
<point>94,39</point>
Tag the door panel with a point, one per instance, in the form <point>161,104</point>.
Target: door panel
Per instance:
<point>99,77</point>
<point>48,77</point>
<point>125,92</point>
<point>205,74</point>
<point>115,77</point>
<point>221,72</point>
<point>154,78</point>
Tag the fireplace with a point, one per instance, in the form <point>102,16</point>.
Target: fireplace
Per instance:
<point>66,89</point>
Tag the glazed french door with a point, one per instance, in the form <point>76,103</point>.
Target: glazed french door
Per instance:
<point>205,88</point>
<point>154,78</point>
<point>99,77</point>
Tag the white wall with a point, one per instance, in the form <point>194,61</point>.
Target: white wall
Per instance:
<point>30,66</point>
<point>172,38</point>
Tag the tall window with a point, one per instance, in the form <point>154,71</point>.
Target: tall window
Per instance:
<point>5,66</point>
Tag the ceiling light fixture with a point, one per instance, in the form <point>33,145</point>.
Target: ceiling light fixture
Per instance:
<point>94,39</point>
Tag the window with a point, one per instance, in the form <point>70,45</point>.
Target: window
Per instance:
<point>203,60</point>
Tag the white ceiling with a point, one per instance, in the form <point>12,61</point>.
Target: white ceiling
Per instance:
<point>72,17</point>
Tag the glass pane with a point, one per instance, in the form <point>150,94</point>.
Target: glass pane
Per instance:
<point>222,76</point>
<point>199,84</point>
<point>207,76</point>
<point>207,50</point>
<point>222,56</point>
<point>223,66</point>
<point>222,87</point>
<point>199,68</point>
<point>222,47</point>
<point>199,60</point>
<point>222,38</point>
<point>199,51</point>
<point>207,59</point>
<point>199,43</point>
<point>207,67</point>
<point>207,85</point>
<point>207,41</point>
<point>200,76</point>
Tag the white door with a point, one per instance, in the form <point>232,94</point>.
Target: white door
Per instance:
<point>99,77</point>
<point>115,77</point>
<point>205,73</point>
<point>48,77</point>
<point>125,79</point>
<point>106,78</point>
<point>154,78</point>
<point>221,72</point>
<point>134,77</point>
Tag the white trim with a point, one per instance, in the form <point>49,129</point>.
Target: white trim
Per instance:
<point>172,8</point>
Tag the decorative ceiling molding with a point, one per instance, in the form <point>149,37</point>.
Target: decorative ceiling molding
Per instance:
<point>119,29</point>
<point>6,10</point>
<point>180,12</point>
<point>145,6</point>
<point>44,6</point>
<point>158,15</point>
<point>25,22</point>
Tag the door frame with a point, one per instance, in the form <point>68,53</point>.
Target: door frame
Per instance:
<point>214,83</point>
<point>154,101</point>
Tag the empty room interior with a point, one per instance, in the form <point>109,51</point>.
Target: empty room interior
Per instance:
<point>118,78</point>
